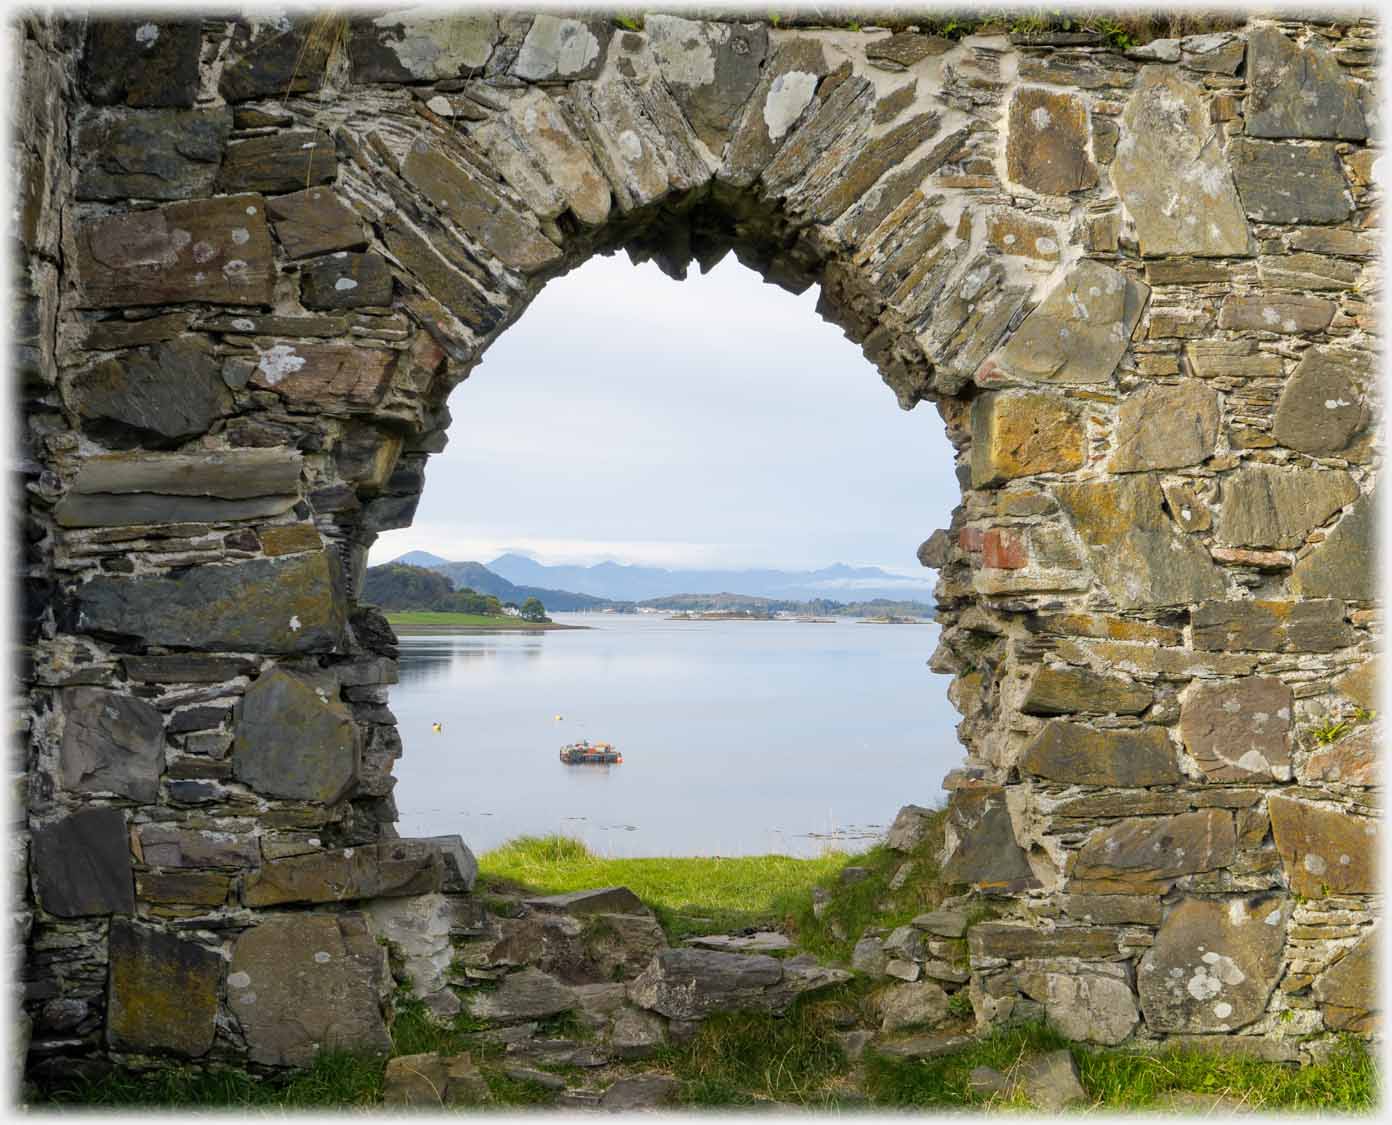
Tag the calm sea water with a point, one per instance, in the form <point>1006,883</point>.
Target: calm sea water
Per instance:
<point>738,737</point>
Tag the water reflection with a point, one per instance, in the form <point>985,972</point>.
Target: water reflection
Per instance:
<point>738,737</point>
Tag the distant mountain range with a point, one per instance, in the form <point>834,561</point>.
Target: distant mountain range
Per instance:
<point>514,578</point>
<point>624,583</point>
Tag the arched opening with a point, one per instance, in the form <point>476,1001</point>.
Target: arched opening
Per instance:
<point>715,430</point>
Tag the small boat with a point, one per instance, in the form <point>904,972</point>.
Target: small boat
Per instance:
<point>585,753</point>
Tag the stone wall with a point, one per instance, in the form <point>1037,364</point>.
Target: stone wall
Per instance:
<point>1138,287</point>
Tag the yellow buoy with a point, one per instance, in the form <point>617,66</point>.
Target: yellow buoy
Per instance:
<point>558,718</point>
<point>436,727</point>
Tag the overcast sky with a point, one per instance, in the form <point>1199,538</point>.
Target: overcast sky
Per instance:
<point>716,422</point>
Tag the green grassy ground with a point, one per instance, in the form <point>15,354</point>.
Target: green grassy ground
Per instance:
<point>429,619</point>
<point>689,895</point>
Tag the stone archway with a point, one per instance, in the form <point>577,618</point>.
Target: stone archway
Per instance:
<point>1132,284</point>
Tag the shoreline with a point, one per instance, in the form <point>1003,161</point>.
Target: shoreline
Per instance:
<point>409,628</point>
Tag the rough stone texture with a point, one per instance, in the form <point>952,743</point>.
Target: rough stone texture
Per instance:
<point>213,250</point>
<point>295,739</point>
<point>1086,1007</point>
<point>1239,731</point>
<point>387,870</point>
<point>645,1091</point>
<point>162,994</point>
<point>1080,330</point>
<point>1166,426</point>
<point>910,828</point>
<point>1172,177</point>
<point>1047,142</point>
<point>1137,552</point>
<point>302,983</point>
<point>1099,530</point>
<point>1214,963</point>
<point>1324,851</point>
<point>314,221</point>
<point>1146,855</point>
<point>1075,754</point>
<point>1061,691</point>
<point>119,490</point>
<point>1016,435</point>
<point>1266,506</point>
<point>1347,991</point>
<point>1299,91</point>
<point>1283,183</point>
<point>82,865</point>
<point>141,62</point>
<point>1343,566</point>
<point>417,930</point>
<point>711,69</point>
<point>1321,407</point>
<point>157,154</point>
<point>911,1005</point>
<point>526,995</point>
<point>157,396</point>
<point>111,744</point>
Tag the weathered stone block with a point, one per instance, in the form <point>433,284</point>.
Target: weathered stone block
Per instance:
<point>1268,506</point>
<point>1074,754</point>
<point>1012,232</point>
<point>314,221</point>
<point>197,888</point>
<point>304,983</point>
<point>292,160</point>
<point>711,69</point>
<point>1146,856</point>
<point>526,995</point>
<point>295,738</point>
<point>462,195</point>
<point>421,46</point>
<point>1016,435</point>
<point>1324,851</point>
<point>112,743</point>
<point>1085,1007</point>
<point>562,50</point>
<point>162,992</point>
<point>151,154</point>
<point>333,375</point>
<point>1321,407</point>
<point>393,869</point>
<point>1166,426</point>
<point>904,48</point>
<point>1172,176</point>
<point>1282,313</point>
<point>1110,910</point>
<point>346,281</point>
<point>1239,731</point>
<point>82,865</point>
<point>916,1004</point>
<point>1286,183</point>
<point>266,605</point>
<point>1080,331</point>
<point>138,488</point>
<point>1214,964</point>
<point>1047,138</point>
<point>1015,942</point>
<point>785,96</point>
<point>1313,625</point>
<point>1347,991</point>
<point>157,396</point>
<point>1299,91</point>
<point>1344,565</point>
<point>983,851</point>
<point>1137,552</point>
<point>1062,691</point>
<point>1352,760</point>
<point>275,57</point>
<point>163,845</point>
<point>212,250</point>
<point>142,61</point>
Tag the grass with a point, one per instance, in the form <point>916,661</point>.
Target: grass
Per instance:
<point>1118,1080</point>
<point>871,901</point>
<point>689,894</point>
<point>434,619</point>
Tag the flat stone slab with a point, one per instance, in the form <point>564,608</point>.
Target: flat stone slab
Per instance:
<point>1172,176</point>
<point>604,900</point>
<point>295,738</point>
<point>1214,963</point>
<point>112,743</point>
<point>212,250</point>
<point>162,992</point>
<point>304,983</point>
<point>764,942</point>
<point>82,865</point>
